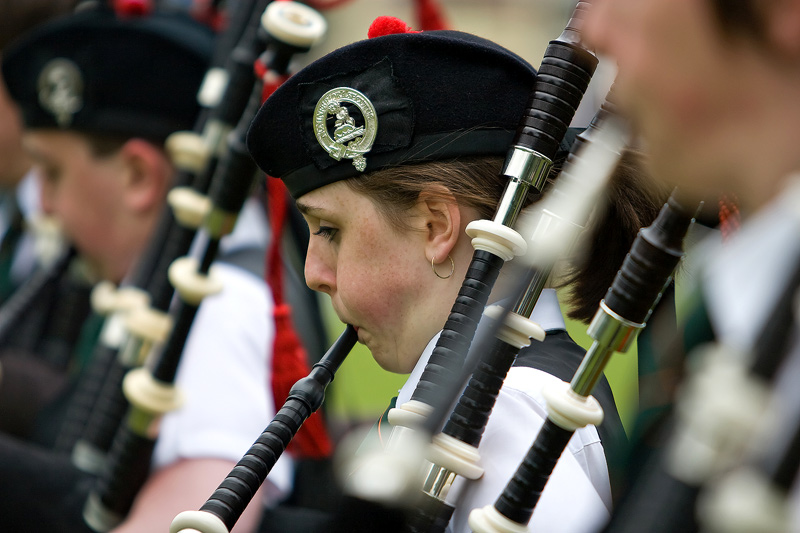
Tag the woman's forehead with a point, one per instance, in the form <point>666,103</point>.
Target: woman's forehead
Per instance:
<point>329,199</point>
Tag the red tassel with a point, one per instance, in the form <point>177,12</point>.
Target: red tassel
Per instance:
<point>288,366</point>
<point>271,80</point>
<point>430,15</point>
<point>289,360</point>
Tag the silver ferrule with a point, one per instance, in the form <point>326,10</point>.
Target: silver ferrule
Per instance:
<point>591,369</point>
<point>527,166</point>
<point>612,330</point>
<point>527,301</point>
<point>438,482</point>
<point>611,333</point>
<point>511,203</point>
<point>114,333</point>
<point>135,350</point>
<point>215,135</point>
<point>524,169</point>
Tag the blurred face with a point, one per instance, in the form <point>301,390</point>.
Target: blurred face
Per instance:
<point>14,163</point>
<point>688,90</point>
<point>375,275</point>
<point>83,192</point>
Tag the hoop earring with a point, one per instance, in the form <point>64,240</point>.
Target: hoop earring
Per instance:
<point>452,268</point>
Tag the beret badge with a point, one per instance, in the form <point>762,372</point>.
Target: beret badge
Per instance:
<point>350,140</point>
<point>60,88</point>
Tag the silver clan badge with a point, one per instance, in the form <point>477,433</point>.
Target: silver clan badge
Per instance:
<point>349,141</point>
<point>60,86</point>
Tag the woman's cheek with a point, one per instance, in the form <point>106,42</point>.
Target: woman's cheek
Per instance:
<point>367,298</point>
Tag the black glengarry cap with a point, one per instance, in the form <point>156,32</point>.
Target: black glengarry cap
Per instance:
<point>97,73</point>
<point>388,101</point>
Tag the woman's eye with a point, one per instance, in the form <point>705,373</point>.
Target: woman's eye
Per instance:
<point>326,232</point>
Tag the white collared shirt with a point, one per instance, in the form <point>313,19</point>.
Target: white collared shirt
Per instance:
<point>577,497</point>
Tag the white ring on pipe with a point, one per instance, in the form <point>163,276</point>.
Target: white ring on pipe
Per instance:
<point>456,456</point>
<point>568,410</point>
<point>489,520</point>
<point>496,238</point>
<point>294,23</point>
<point>197,522</point>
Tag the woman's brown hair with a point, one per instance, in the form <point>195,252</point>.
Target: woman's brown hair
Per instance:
<point>474,182</point>
<point>632,201</point>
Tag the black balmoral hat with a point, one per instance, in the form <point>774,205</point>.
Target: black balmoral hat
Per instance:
<point>98,73</point>
<point>387,101</point>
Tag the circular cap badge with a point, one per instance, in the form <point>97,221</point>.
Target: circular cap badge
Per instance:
<point>349,140</point>
<point>60,86</point>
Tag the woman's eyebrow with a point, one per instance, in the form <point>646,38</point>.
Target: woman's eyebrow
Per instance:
<point>311,210</point>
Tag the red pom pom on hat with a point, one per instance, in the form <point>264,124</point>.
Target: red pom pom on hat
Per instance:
<point>388,26</point>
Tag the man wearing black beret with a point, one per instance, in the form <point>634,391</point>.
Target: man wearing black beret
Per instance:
<point>99,95</point>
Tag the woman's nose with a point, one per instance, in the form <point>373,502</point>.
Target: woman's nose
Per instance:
<point>320,276</point>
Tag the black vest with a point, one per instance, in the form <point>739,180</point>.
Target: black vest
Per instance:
<point>560,356</point>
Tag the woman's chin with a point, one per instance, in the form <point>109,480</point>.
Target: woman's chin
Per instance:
<point>391,363</point>
<point>386,361</point>
<point>388,358</point>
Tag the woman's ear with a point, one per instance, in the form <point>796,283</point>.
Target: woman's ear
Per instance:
<point>148,173</point>
<point>441,217</point>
